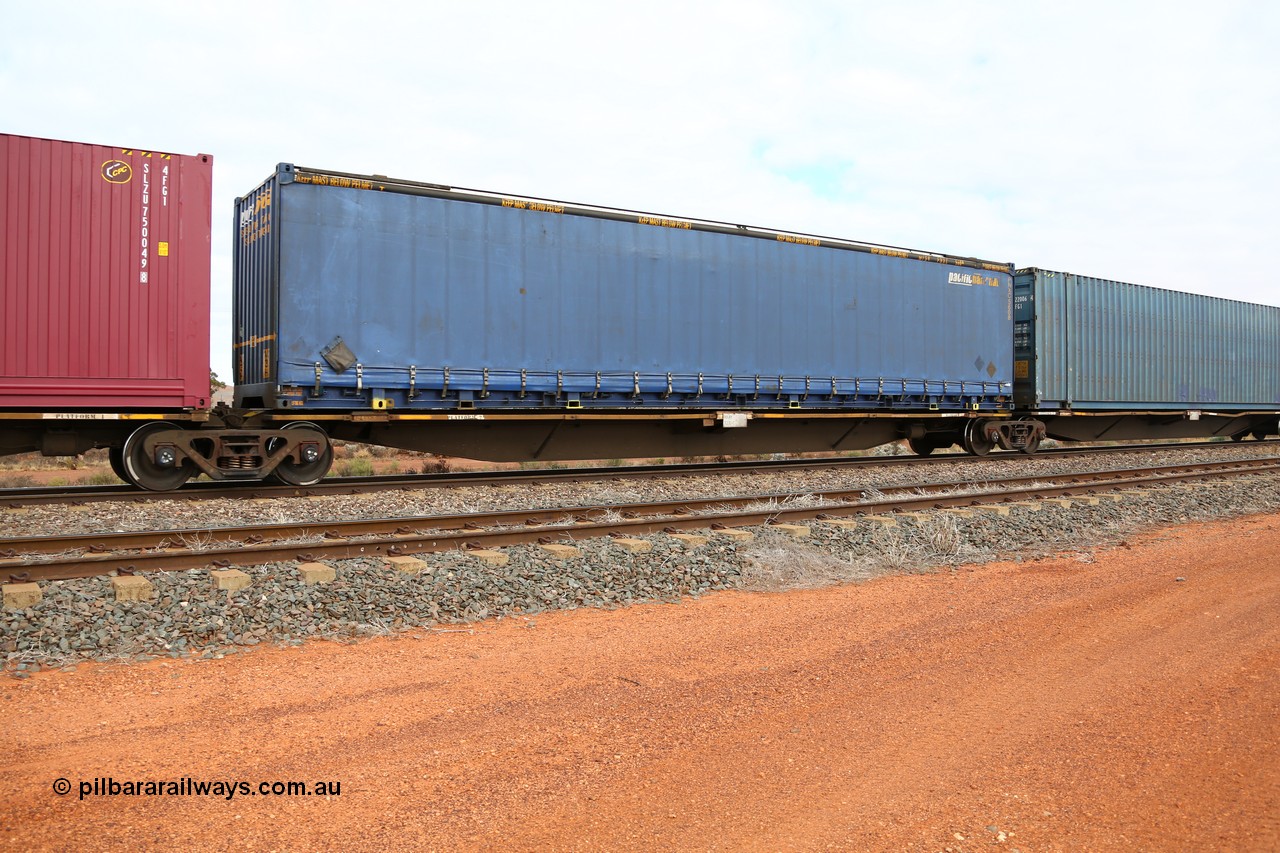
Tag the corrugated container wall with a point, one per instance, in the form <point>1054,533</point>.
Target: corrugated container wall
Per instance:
<point>1088,343</point>
<point>104,253</point>
<point>354,291</point>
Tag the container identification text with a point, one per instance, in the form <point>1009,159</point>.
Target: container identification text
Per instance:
<point>970,279</point>
<point>146,212</point>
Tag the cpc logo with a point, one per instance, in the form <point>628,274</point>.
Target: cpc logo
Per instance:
<point>116,172</point>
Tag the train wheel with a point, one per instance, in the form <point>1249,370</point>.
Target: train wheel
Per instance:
<point>975,441</point>
<point>921,446</point>
<point>115,455</point>
<point>310,472</point>
<point>1032,445</point>
<point>141,469</point>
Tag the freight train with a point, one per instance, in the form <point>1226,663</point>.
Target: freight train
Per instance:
<point>505,327</point>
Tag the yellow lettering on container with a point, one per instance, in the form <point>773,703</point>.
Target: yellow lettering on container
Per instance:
<point>664,223</point>
<point>334,181</point>
<point>521,204</point>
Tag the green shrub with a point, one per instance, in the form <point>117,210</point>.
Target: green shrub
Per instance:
<point>356,468</point>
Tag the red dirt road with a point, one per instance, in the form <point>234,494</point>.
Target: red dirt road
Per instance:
<point>1055,705</point>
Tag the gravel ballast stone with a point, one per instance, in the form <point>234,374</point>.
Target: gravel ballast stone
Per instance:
<point>80,620</point>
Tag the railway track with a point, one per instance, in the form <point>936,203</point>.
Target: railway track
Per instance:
<point>51,558</point>
<point>205,490</point>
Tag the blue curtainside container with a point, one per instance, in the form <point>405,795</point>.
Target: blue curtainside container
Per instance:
<point>362,292</point>
<point>1090,344</point>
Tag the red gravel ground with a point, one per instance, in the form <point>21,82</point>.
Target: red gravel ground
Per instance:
<point>1066,704</point>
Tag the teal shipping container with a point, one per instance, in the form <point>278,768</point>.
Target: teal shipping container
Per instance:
<point>1089,344</point>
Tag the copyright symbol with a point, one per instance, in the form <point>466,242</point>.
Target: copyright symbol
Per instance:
<point>61,787</point>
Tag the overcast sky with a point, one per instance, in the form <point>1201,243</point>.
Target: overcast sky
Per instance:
<point>1130,140</point>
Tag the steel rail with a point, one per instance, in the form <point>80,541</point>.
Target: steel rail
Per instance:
<point>402,525</point>
<point>206,490</point>
<point>431,538</point>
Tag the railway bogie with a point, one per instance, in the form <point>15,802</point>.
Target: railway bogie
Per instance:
<point>162,456</point>
<point>159,454</point>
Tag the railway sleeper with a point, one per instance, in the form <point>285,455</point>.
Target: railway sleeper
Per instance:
<point>161,456</point>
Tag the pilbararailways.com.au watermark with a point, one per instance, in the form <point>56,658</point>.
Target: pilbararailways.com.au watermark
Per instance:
<point>188,787</point>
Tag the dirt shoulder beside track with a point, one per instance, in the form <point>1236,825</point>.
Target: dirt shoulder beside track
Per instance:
<point>1064,704</point>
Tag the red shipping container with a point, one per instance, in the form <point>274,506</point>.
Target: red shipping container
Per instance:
<point>104,277</point>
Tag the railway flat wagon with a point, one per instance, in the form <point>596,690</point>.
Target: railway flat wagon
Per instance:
<point>506,327</point>
<point>1098,359</point>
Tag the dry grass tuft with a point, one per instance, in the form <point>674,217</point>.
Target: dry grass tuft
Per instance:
<point>197,541</point>
<point>942,536</point>
<point>776,562</point>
